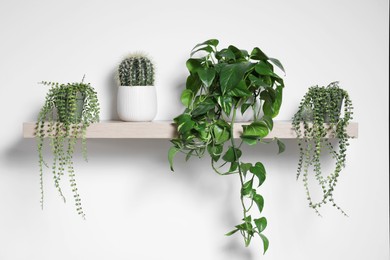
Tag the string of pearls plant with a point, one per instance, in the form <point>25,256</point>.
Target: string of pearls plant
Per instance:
<point>67,112</point>
<point>323,112</point>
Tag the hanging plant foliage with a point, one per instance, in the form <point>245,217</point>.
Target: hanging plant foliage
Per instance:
<point>324,112</point>
<point>64,118</point>
<point>221,85</point>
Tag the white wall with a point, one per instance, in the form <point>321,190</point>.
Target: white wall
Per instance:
<point>136,208</point>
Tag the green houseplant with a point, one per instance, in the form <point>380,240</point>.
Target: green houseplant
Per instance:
<point>64,117</point>
<point>137,99</point>
<point>229,82</point>
<point>323,112</point>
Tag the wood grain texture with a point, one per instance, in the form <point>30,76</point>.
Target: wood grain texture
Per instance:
<point>167,130</point>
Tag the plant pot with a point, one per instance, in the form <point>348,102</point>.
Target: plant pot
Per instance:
<point>307,113</point>
<point>137,103</point>
<point>249,114</point>
<point>76,117</point>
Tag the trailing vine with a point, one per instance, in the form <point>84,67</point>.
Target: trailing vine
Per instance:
<point>323,112</point>
<point>67,112</point>
<point>223,83</point>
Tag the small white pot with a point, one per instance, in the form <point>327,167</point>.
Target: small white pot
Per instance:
<point>247,116</point>
<point>137,103</point>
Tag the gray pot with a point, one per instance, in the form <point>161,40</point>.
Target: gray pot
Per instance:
<point>307,113</point>
<point>76,117</point>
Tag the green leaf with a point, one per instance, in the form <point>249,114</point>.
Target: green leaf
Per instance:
<point>186,97</point>
<point>278,101</point>
<point>259,171</point>
<point>281,146</point>
<point>193,65</point>
<point>258,82</point>
<point>231,232</point>
<point>259,200</point>
<point>212,42</point>
<point>268,121</point>
<point>265,242</point>
<point>207,76</point>
<point>208,49</point>
<point>256,129</point>
<point>203,106</point>
<point>244,107</point>
<point>264,69</point>
<point>232,74</point>
<point>277,63</point>
<point>261,224</point>
<point>238,54</point>
<point>221,134</point>
<point>245,168</point>
<point>189,154</point>
<point>193,83</point>
<point>226,104</point>
<point>247,189</point>
<point>233,167</point>
<point>226,54</point>
<point>258,54</point>
<point>171,154</point>
<point>232,154</point>
<point>249,140</point>
<point>215,152</point>
<point>184,123</point>
<point>267,96</point>
<point>241,90</point>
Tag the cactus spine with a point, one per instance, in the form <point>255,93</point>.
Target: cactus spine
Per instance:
<point>136,70</point>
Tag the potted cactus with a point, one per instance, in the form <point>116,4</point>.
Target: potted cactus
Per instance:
<point>137,99</point>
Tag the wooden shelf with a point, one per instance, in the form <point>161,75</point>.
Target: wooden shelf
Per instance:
<point>167,130</point>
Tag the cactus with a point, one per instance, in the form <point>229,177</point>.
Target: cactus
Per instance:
<point>136,70</point>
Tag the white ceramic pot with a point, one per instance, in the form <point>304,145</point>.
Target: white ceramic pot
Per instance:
<point>137,103</point>
<point>247,116</point>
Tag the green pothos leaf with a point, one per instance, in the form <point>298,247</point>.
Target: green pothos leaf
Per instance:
<point>215,152</point>
<point>281,146</point>
<point>193,83</point>
<point>258,54</point>
<point>171,154</point>
<point>278,101</point>
<point>186,97</point>
<point>232,154</point>
<point>268,121</point>
<point>212,42</point>
<point>265,242</point>
<point>193,65</point>
<point>247,188</point>
<point>207,76</point>
<point>249,140</point>
<point>256,129</point>
<point>231,232</point>
<point>226,103</point>
<point>277,63</point>
<point>261,224</point>
<point>259,171</point>
<point>221,134</point>
<point>184,123</point>
<point>241,90</point>
<point>259,200</point>
<point>232,74</point>
<point>203,106</point>
<point>245,168</point>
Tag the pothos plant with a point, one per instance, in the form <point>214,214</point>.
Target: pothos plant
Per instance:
<point>224,83</point>
<point>323,112</point>
<point>67,112</point>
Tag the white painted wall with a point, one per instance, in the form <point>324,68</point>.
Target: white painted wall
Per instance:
<point>136,208</point>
